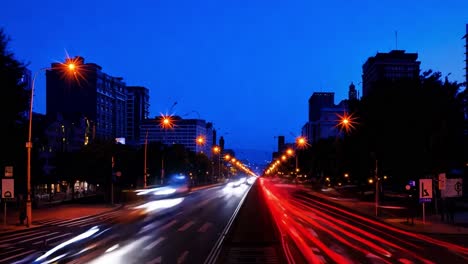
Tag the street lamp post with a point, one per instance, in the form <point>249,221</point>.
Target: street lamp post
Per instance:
<point>376,189</point>
<point>71,67</point>
<point>145,172</point>
<point>217,151</point>
<point>166,122</point>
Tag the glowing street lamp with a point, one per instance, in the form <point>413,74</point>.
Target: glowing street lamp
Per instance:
<point>346,122</point>
<point>166,122</point>
<point>69,66</point>
<point>217,151</point>
<point>200,140</point>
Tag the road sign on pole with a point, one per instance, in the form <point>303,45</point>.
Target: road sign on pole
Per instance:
<point>8,171</point>
<point>425,190</point>
<point>442,181</point>
<point>8,188</point>
<point>453,188</point>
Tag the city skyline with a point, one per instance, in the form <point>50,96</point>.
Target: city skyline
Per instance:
<point>243,66</point>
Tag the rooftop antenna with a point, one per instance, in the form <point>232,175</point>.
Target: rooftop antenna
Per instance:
<point>396,40</point>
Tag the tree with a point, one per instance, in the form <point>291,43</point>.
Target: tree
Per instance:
<point>412,127</point>
<point>13,104</point>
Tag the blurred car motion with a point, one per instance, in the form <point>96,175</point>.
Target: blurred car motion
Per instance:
<point>177,185</point>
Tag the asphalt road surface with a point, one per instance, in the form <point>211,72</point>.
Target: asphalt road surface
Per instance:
<point>185,230</point>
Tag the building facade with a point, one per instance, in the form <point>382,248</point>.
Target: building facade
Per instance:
<point>184,132</point>
<point>318,101</point>
<point>325,121</point>
<point>395,65</point>
<point>137,110</point>
<point>91,94</point>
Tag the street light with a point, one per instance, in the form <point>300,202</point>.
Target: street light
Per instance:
<point>166,122</point>
<point>346,122</point>
<point>145,173</point>
<point>69,66</point>
<point>200,140</point>
<point>217,150</point>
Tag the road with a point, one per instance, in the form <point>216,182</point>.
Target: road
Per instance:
<point>327,233</point>
<point>183,233</point>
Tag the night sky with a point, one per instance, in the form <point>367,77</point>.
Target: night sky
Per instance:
<point>247,66</point>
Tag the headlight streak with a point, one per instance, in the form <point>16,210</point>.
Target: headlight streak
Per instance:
<point>121,254</point>
<point>82,236</point>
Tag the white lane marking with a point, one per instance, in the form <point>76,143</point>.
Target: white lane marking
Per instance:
<point>52,238</point>
<point>155,243</point>
<point>155,261</point>
<point>186,226</point>
<point>21,236</point>
<point>204,227</point>
<point>166,226</point>
<point>182,257</point>
<point>17,255</point>
<point>34,238</point>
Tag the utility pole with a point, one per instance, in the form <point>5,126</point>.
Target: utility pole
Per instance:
<point>145,173</point>
<point>376,189</point>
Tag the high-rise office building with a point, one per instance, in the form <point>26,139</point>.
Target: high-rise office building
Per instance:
<point>395,65</point>
<point>323,116</point>
<point>92,94</point>
<point>137,111</point>
<point>318,101</point>
<point>184,132</point>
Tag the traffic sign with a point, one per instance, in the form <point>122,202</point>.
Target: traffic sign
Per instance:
<point>425,189</point>
<point>442,181</point>
<point>8,188</point>
<point>453,188</point>
<point>8,171</point>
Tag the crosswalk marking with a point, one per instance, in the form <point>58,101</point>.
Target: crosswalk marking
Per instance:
<point>21,236</point>
<point>52,238</point>
<point>38,237</point>
<point>155,261</point>
<point>182,257</point>
<point>166,226</point>
<point>155,243</point>
<point>204,227</point>
<point>6,260</point>
<point>186,226</point>
<point>11,251</point>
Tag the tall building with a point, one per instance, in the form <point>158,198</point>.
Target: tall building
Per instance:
<point>395,65</point>
<point>137,111</point>
<point>352,93</point>
<point>91,94</point>
<point>323,117</point>
<point>318,101</point>
<point>184,132</point>
<point>281,143</point>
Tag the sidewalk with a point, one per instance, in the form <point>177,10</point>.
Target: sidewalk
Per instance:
<point>59,212</point>
<point>433,223</point>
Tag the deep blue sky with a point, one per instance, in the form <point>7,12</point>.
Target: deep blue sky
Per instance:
<point>247,66</point>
